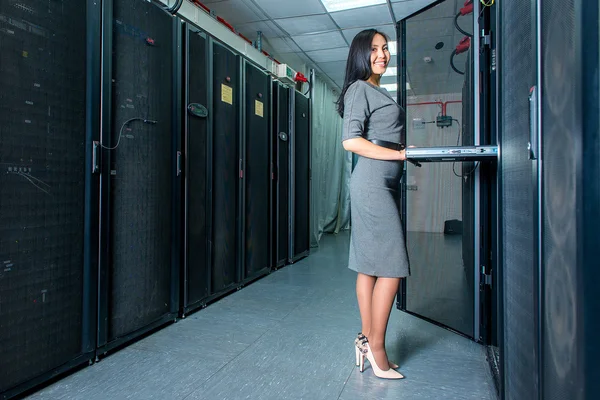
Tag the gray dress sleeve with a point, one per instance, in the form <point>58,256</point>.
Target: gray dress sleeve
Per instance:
<point>356,112</point>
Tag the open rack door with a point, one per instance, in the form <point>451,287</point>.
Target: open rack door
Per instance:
<point>445,209</point>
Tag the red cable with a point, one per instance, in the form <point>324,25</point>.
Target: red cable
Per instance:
<point>221,20</point>
<point>197,2</point>
<point>463,45</point>
<point>245,38</point>
<point>439,103</point>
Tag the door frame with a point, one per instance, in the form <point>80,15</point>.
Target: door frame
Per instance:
<point>483,121</point>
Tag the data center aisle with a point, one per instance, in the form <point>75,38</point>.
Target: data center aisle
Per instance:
<point>287,336</point>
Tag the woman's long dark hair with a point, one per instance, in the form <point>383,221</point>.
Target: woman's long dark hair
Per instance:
<point>358,66</point>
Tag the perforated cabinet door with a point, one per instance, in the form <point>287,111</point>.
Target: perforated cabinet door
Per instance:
<point>257,177</point>
<point>226,168</point>
<point>141,155</point>
<point>518,195</point>
<point>301,175</point>
<point>196,172</point>
<point>42,188</point>
<point>281,157</point>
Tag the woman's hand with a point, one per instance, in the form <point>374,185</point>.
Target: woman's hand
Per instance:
<point>402,155</point>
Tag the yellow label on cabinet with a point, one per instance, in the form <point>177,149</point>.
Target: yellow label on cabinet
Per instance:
<point>258,108</point>
<point>226,94</point>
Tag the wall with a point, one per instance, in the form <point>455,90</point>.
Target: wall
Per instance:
<point>438,194</point>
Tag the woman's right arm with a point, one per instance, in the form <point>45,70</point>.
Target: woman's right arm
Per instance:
<point>364,148</point>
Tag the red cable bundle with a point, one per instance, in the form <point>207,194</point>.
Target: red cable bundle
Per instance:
<point>468,8</point>
<point>463,45</point>
<point>300,77</point>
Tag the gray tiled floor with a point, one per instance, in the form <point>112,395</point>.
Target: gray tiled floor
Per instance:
<point>287,336</point>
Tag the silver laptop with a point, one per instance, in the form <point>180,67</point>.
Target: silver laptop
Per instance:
<point>462,153</point>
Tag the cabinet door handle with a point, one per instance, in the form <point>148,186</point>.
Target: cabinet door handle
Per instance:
<point>95,157</point>
<point>534,129</point>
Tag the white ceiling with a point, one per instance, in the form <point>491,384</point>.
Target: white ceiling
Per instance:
<point>322,39</point>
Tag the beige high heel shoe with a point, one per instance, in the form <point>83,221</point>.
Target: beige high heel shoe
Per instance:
<point>360,359</point>
<point>360,342</point>
<point>389,374</point>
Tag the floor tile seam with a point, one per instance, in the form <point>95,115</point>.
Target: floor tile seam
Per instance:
<point>232,359</point>
<point>346,383</point>
<point>291,311</point>
<point>182,352</point>
<point>198,384</point>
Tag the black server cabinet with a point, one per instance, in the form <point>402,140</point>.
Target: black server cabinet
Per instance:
<point>301,178</point>
<point>256,172</point>
<point>281,172</point>
<point>550,195</point>
<point>226,170</point>
<point>569,152</point>
<point>196,286</point>
<point>48,201</point>
<point>139,283</point>
<point>518,176</point>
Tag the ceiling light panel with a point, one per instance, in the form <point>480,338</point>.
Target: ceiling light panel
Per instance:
<point>393,48</point>
<point>340,5</point>
<point>285,9</point>
<point>367,17</point>
<point>385,80</point>
<point>392,87</point>
<point>391,71</point>
<point>320,41</point>
<point>303,25</point>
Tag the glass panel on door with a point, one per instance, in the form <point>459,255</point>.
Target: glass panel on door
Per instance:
<point>440,197</point>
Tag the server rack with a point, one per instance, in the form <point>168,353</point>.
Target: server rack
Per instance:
<point>139,270</point>
<point>48,208</point>
<point>256,177</point>
<point>281,150</point>
<point>564,345</point>
<point>549,130</point>
<point>225,176</point>
<point>198,161</point>
<point>300,177</point>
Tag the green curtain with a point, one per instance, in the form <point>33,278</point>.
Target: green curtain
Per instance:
<point>331,166</point>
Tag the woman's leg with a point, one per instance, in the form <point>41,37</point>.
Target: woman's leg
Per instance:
<point>364,294</point>
<point>384,293</point>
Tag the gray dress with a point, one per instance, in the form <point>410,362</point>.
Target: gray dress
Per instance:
<point>377,245</point>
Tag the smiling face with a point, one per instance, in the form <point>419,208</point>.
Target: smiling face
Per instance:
<point>380,55</point>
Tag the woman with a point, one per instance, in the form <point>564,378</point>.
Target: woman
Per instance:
<point>373,124</point>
